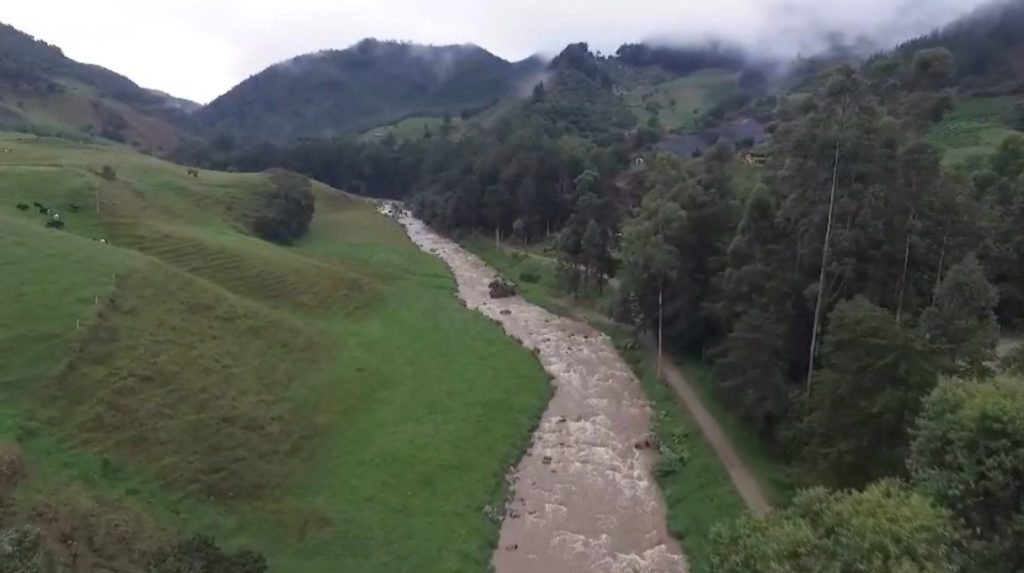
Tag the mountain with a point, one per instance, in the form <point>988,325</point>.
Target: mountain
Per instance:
<point>987,47</point>
<point>371,83</point>
<point>42,89</point>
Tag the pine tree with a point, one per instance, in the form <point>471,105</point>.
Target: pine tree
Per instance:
<point>875,374</point>
<point>960,325</point>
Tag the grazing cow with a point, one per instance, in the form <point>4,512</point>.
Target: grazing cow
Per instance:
<point>38,205</point>
<point>44,211</point>
<point>22,206</point>
<point>74,207</point>
<point>55,224</point>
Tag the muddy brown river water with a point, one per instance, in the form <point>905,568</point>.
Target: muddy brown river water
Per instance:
<point>583,497</point>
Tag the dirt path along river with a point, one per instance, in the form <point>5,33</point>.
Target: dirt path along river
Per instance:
<point>583,497</point>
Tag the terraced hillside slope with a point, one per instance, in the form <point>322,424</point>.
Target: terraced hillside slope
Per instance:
<point>329,405</point>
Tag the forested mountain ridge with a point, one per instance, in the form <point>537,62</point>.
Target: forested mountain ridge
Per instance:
<point>987,48</point>
<point>371,83</point>
<point>42,89</point>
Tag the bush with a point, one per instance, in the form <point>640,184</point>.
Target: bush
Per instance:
<point>200,554</point>
<point>531,277</point>
<point>501,288</point>
<point>285,208</point>
<point>883,529</point>
<point>968,453</point>
<point>108,173</point>
<point>21,551</point>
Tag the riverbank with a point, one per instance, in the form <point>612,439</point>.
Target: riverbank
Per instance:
<point>701,492</point>
<point>584,497</point>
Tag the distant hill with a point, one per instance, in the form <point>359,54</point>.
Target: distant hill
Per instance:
<point>987,48</point>
<point>42,88</point>
<point>369,84</point>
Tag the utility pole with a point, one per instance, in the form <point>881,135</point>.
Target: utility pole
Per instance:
<point>661,291</point>
<point>821,277</point>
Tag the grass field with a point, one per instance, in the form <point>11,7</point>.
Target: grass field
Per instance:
<point>682,102</point>
<point>976,126</point>
<point>331,405</point>
<point>700,494</point>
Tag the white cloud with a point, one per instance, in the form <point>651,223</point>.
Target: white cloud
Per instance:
<point>200,48</point>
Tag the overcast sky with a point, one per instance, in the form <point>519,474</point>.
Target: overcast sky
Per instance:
<point>199,49</point>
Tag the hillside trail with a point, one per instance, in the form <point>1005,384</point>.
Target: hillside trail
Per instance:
<point>583,498</point>
<point>742,478</point>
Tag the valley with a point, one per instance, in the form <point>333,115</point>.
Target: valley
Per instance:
<point>688,305</point>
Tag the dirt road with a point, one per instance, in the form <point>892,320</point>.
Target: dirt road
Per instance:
<point>742,478</point>
<point>583,498</point>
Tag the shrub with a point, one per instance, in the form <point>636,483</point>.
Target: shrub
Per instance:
<point>501,288</point>
<point>285,208</point>
<point>108,173</point>
<point>200,554</point>
<point>968,453</point>
<point>531,277</point>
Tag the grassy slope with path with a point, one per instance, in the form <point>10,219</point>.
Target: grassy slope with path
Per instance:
<point>413,128</point>
<point>698,495</point>
<point>694,96</point>
<point>332,404</point>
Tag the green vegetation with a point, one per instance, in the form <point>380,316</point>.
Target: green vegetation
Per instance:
<point>968,453</point>
<point>681,103</point>
<point>417,127</point>
<point>883,528</point>
<point>975,127</point>
<point>368,84</point>
<point>322,404</point>
<point>43,90</point>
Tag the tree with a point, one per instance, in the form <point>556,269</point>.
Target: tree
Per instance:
<point>750,365</point>
<point>960,324</point>
<point>539,92</point>
<point>594,246</point>
<point>883,529</point>
<point>285,208</point>
<point>651,259</point>
<point>519,230</point>
<point>968,453</point>
<point>875,374</point>
<point>932,68</point>
<point>446,125</point>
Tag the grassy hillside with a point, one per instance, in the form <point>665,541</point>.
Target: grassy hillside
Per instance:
<point>331,405</point>
<point>42,90</point>
<point>975,126</point>
<point>680,103</point>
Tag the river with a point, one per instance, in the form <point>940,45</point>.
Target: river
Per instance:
<point>583,498</point>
